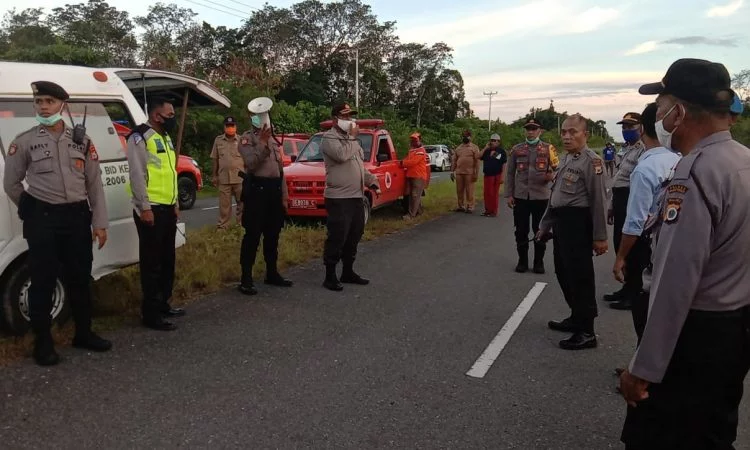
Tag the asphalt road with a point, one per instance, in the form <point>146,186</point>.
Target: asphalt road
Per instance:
<point>206,210</point>
<point>372,367</point>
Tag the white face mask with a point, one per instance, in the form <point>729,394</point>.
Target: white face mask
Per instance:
<point>345,125</point>
<point>664,136</point>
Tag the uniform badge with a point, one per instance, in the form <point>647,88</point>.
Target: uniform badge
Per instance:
<point>92,152</point>
<point>137,138</point>
<point>598,166</point>
<point>672,210</point>
<point>79,164</point>
<point>521,167</point>
<point>12,149</point>
<point>243,141</point>
<point>677,189</point>
<point>47,153</point>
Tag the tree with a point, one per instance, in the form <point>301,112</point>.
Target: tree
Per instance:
<point>25,30</point>
<point>741,85</point>
<point>169,37</point>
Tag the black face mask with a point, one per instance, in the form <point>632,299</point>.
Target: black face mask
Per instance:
<point>466,139</point>
<point>169,123</point>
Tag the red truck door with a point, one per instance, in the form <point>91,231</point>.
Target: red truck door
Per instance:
<point>388,169</point>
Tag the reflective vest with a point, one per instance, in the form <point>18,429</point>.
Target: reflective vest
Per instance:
<point>161,166</point>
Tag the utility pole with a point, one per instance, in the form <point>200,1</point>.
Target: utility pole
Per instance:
<point>489,122</point>
<point>356,76</point>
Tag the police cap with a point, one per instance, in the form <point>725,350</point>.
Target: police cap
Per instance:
<point>49,88</point>
<point>695,81</point>
<point>631,118</point>
<point>531,122</point>
<point>737,106</point>
<point>229,121</point>
<point>342,109</point>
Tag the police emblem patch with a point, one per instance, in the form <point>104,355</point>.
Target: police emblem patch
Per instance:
<point>92,152</point>
<point>672,210</point>
<point>137,139</point>
<point>12,149</point>
<point>598,166</point>
<point>243,141</point>
<point>677,189</point>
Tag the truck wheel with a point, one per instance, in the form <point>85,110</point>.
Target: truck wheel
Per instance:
<point>15,301</point>
<point>368,209</point>
<point>187,191</point>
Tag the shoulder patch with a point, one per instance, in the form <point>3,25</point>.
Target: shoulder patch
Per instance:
<point>137,138</point>
<point>92,152</point>
<point>244,141</point>
<point>677,189</point>
<point>597,163</point>
<point>12,149</point>
<point>672,210</point>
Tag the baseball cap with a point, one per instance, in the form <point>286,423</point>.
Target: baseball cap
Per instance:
<point>495,137</point>
<point>696,81</point>
<point>631,118</point>
<point>342,109</point>
<point>229,121</point>
<point>49,88</point>
<point>737,106</point>
<point>532,123</point>
<point>415,135</point>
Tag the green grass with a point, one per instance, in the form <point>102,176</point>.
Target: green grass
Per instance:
<point>208,191</point>
<point>209,261</point>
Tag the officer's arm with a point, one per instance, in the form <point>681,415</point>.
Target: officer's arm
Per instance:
<point>16,164</point>
<point>554,161</point>
<point>371,180</point>
<point>254,152</point>
<point>95,189</point>
<point>640,199</point>
<point>137,168</point>
<point>682,251</point>
<point>510,175</point>
<point>215,159</point>
<point>336,149</point>
<point>454,158</point>
<point>597,196</point>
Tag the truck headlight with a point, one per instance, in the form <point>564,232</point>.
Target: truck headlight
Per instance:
<point>195,163</point>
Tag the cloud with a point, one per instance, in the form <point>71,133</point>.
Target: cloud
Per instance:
<point>650,46</point>
<point>640,49</point>
<point>725,10</point>
<point>550,17</point>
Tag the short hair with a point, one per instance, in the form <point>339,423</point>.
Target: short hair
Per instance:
<point>156,102</point>
<point>648,120</point>
<point>579,121</point>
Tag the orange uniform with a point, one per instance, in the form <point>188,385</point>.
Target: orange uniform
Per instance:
<point>416,163</point>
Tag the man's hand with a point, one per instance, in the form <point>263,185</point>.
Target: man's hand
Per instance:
<point>147,217</point>
<point>633,389</point>
<point>493,153</point>
<point>453,176</point>
<point>265,134</point>
<point>543,235</point>
<point>600,247</point>
<point>354,130</point>
<point>610,217</point>
<point>177,210</point>
<point>618,270</point>
<point>511,202</point>
<point>378,192</point>
<point>99,234</point>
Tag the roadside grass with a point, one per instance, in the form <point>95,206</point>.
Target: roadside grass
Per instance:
<point>210,261</point>
<point>208,192</point>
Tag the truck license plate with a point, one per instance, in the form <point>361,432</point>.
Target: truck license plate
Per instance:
<point>303,203</point>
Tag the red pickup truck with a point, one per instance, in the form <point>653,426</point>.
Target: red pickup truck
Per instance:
<point>306,176</point>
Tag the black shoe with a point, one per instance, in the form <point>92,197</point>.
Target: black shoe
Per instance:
<point>174,312</point>
<point>538,266</point>
<point>353,278</point>
<point>613,297</point>
<point>625,304</point>
<point>159,325</point>
<point>566,325</point>
<point>459,209</point>
<point>92,342</point>
<point>522,267</point>
<point>247,289</point>
<point>333,285</point>
<point>278,280</point>
<point>44,350</point>
<point>579,341</point>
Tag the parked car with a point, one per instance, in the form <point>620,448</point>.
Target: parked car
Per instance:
<point>109,96</point>
<point>306,176</point>
<point>440,157</point>
<point>189,177</point>
<point>292,144</point>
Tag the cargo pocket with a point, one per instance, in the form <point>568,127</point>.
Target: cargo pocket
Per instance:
<point>41,162</point>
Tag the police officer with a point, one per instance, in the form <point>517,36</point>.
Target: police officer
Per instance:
<point>265,200</point>
<point>685,381</point>
<point>153,187</point>
<point>227,165</point>
<point>577,219</point>
<point>64,200</point>
<point>531,167</point>
<point>634,148</point>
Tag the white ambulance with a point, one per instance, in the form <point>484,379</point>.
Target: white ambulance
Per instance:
<point>109,97</point>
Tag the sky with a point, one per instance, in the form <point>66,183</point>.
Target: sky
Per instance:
<point>589,56</point>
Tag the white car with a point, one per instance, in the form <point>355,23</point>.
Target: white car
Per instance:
<point>108,96</point>
<point>440,157</point>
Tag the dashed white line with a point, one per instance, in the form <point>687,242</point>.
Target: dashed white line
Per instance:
<point>215,207</point>
<point>486,359</point>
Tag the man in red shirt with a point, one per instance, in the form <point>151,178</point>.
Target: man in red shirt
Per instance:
<point>416,175</point>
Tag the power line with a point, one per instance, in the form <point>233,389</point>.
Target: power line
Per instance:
<point>214,8</point>
<point>489,123</point>
<point>245,5</point>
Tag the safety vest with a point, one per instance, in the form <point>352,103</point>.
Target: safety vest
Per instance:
<point>161,166</point>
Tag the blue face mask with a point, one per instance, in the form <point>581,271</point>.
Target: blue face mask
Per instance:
<point>532,141</point>
<point>630,136</point>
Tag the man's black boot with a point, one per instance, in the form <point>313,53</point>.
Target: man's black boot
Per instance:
<point>91,341</point>
<point>350,277</point>
<point>246,284</point>
<point>274,278</point>
<point>332,281</point>
<point>523,260</point>
<point>44,348</point>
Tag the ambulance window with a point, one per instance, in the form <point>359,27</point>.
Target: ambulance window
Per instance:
<point>288,147</point>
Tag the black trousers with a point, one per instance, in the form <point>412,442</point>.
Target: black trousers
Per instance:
<point>262,214</point>
<point>639,311</point>
<point>574,264</point>
<point>695,405</point>
<point>346,225</point>
<point>59,238</point>
<point>620,209</point>
<point>526,216</point>
<point>157,260</point>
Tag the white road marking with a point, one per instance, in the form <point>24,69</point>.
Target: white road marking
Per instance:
<point>485,361</point>
<point>215,207</point>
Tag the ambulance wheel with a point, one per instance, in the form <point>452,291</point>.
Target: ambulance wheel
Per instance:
<point>15,300</point>
<point>368,208</point>
<point>187,191</point>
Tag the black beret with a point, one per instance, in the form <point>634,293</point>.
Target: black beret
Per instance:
<point>49,88</point>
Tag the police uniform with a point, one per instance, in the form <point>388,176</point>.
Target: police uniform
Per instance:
<point>577,218</point>
<point>530,170</point>
<point>153,186</point>
<point>619,206</point>
<point>264,194</point>
<point>228,164</point>
<point>65,198</point>
<point>694,350</point>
